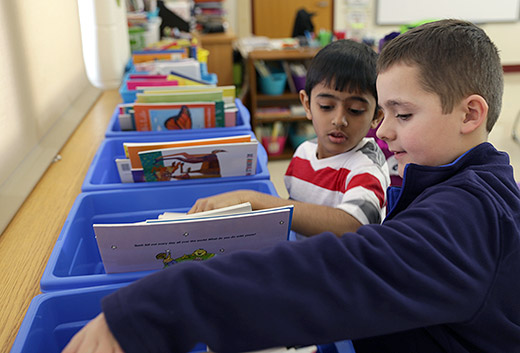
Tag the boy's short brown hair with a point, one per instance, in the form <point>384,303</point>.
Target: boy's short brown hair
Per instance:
<point>455,59</point>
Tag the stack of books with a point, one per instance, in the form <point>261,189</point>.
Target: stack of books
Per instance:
<point>163,105</point>
<point>188,159</point>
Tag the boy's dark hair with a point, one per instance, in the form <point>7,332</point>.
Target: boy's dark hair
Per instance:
<point>455,59</point>
<point>348,65</point>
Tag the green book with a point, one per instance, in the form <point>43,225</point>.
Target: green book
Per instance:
<point>220,114</point>
<point>212,96</point>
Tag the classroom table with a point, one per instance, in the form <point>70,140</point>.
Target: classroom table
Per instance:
<point>27,242</point>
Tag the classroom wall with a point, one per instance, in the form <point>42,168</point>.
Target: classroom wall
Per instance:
<point>503,34</point>
<point>44,92</point>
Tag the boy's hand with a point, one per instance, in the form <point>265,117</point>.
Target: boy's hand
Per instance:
<point>95,337</point>
<point>221,200</point>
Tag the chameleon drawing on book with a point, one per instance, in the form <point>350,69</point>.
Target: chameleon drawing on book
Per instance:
<point>180,121</point>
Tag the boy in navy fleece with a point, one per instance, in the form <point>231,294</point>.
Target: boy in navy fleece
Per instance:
<point>439,275</point>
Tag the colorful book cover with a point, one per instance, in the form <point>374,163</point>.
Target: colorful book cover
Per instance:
<point>210,161</point>
<point>174,116</point>
<point>179,97</point>
<point>176,89</point>
<point>228,92</point>
<point>134,84</point>
<point>154,55</point>
<point>147,77</point>
<point>132,149</point>
<point>146,246</point>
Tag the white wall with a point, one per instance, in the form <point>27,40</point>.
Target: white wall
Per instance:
<point>503,34</point>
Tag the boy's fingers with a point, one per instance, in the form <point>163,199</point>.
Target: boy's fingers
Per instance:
<point>74,343</point>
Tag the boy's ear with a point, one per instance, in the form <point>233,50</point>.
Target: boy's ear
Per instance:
<point>476,110</point>
<point>304,99</point>
<point>379,116</point>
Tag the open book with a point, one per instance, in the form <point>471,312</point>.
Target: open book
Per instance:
<point>163,242</point>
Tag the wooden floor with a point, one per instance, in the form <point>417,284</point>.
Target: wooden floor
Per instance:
<point>26,244</point>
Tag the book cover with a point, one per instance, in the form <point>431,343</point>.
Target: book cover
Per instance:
<point>224,211</point>
<point>175,89</point>
<point>174,116</point>
<point>145,246</point>
<point>210,161</point>
<point>132,149</point>
<point>142,76</point>
<point>228,92</point>
<point>153,55</point>
<point>190,68</point>
<point>134,84</point>
<point>180,97</point>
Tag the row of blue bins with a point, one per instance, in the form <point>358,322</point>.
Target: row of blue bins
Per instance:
<point>74,280</point>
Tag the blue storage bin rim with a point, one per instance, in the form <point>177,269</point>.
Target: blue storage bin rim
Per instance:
<point>37,323</point>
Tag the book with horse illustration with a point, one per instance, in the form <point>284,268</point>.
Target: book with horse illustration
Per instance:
<point>209,161</point>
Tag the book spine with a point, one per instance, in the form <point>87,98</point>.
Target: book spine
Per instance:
<point>209,114</point>
<point>142,119</point>
<point>220,116</point>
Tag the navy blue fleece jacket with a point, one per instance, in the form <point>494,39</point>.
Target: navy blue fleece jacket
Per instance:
<point>441,274</point>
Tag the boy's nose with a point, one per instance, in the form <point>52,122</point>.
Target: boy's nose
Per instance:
<point>385,131</point>
<point>340,120</point>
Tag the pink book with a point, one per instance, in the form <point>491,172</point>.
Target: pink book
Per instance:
<point>147,77</point>
<point>133,84</point>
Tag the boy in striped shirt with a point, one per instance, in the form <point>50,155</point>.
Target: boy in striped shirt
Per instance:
<point>336,182</point>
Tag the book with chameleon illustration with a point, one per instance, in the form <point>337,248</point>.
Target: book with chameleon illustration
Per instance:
<point>178,116</point>
<point>193,162</point>
<point>160,243</point>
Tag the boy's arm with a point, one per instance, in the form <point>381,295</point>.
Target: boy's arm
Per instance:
<point>308,219</point>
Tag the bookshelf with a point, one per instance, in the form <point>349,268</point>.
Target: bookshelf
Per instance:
<point>259,100</point>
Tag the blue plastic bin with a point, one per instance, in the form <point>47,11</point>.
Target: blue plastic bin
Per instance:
<point>75,261</point>
<point>103,174</point>
<point>243,124</point>
<point>274,84</point>
<point>53,318</point>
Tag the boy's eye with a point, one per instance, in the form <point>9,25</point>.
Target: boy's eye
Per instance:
<point>326,107</point>
<point>357,111</point>
<point>403,116</point>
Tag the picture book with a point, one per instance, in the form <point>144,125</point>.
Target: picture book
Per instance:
<point>132,149</point>
<point>133,84</point>
<point>210,161</point>
<point>178,88</point>
<point>233,209</point>
<point>228,92</point>
<point>180,97</point>
<point>190,68</point>
<point>153,55</point>
<point>186,80</point>
<point>175,116</point>
<point>143,76</point>
<point>154,245</point>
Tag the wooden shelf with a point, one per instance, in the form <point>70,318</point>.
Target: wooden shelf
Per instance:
<point>284,54</point>
<point>278,97</point>
<point>285,99</point>
<point>290,119</point>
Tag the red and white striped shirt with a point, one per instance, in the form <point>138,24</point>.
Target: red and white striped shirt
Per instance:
<point>354,181</point>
